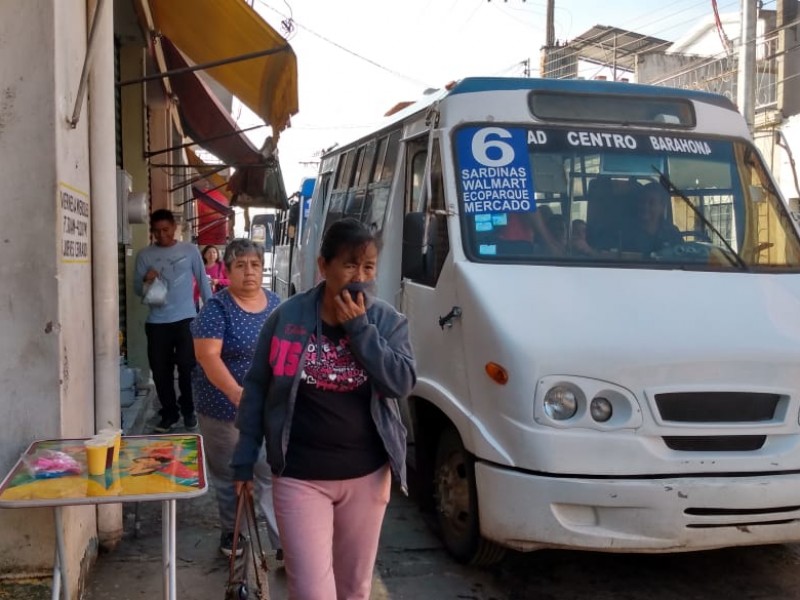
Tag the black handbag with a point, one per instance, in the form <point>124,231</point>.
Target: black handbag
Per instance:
<point>247,578</point>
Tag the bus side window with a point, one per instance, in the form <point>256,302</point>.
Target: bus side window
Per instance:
<point>380,182</point>
<point>438,237</point>
<point>389,163</point>
<point>344,178</point>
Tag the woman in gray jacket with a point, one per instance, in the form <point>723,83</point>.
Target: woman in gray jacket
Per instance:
<point>329,367</point>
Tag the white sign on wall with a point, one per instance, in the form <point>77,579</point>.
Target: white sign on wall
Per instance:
<point>74,227</point>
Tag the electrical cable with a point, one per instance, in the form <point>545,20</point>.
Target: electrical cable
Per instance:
<point>347,50</point>
<point>628,25</point>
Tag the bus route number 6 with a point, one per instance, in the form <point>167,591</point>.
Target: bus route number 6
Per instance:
<point>486,146</point>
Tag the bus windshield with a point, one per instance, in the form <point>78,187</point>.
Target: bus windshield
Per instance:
<point>602,196</point>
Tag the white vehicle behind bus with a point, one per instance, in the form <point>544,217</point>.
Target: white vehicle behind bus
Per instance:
<point>288,241</point>
<point>587,379</point>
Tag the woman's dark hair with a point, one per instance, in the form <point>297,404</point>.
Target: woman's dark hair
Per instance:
<point>346,234</point>
<point>206,249</point>
<point>242,247</point>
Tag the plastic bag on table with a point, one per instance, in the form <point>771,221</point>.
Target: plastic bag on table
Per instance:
<point>45,464</point>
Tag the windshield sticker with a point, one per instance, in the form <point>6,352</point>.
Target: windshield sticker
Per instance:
<point>495,171</point>
<point>487,249</point>
<point>499,219</point>
<point>483,223</point>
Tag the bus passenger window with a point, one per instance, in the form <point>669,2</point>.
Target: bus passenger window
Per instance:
<point>390,159</point>
<point>344,175</point>
<point>367,166</point>
<point>380,157</point>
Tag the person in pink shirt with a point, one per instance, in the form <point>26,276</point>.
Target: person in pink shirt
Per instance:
<point>215,269</point>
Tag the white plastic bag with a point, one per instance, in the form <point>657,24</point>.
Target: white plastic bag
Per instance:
<point>155,293</point>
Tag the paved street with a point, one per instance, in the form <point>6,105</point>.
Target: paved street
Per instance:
<point>413,566</point>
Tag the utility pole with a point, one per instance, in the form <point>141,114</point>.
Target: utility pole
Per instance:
<point>745,84</point>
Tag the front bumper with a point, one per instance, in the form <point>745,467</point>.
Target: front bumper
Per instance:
<point>527,511</point>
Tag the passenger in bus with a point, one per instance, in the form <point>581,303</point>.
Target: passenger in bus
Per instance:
<point>329,367</point>
<point>653,232</point>
<point>557,228</point>
<point>530,233</point>
<point>577,241</point>
<point>519,228</point>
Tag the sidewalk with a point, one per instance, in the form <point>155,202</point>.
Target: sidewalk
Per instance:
<point>411,562</point>
<point>133,569</point>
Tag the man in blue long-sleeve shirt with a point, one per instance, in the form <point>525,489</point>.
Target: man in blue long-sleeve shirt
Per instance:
<point>169,340</point>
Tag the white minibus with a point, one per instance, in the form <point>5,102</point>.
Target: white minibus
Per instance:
<point>603,288</point>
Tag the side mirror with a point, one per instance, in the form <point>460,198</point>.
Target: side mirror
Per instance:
<point>416,250</point>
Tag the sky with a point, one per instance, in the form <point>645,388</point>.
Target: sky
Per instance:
<point>358,58</point>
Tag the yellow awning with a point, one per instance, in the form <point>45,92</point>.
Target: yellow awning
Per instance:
<point>211,30</point>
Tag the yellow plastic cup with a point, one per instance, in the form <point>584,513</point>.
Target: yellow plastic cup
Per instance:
<point>109,439</point>
<point>96,455</point>
<point>117,435</point>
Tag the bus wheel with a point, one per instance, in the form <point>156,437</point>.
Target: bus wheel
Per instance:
<point>457,504</point>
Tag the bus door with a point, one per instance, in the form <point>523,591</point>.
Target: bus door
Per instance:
<point>429,296</point>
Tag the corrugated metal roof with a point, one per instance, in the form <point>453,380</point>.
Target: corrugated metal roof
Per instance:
<point>605,45</point>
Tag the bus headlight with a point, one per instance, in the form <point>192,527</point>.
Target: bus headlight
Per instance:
<point>600,409</point>
<point>560,403</point>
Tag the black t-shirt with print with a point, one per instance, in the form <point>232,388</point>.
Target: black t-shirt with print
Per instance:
<point>333,435</point>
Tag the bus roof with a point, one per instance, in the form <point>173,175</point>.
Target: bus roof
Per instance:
<point>582,86</point>
<point>471,85</point>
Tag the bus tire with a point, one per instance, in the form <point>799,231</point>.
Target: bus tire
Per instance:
<point>456,499</point>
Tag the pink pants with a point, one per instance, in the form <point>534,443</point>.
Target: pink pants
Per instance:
<point>329,531</point>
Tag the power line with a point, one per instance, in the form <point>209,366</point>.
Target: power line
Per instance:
<point>649,18</point>
<point>344,49</point>
<point>576,53</point>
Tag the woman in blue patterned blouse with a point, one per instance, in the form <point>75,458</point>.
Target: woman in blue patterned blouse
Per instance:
<point>225,334</point>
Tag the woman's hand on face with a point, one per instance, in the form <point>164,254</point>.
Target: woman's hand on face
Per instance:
<point>346,308</point>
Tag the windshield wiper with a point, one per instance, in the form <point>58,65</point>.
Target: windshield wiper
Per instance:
<point>733,257</point>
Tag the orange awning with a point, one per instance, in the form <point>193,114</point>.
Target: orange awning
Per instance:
<point>208,123</point>
<point>211,30</point>
<point>207,172</point>
<point>213,217</point>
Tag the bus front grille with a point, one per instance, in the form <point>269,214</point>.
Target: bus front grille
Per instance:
<point>717,407</point>
<point>714,443</point>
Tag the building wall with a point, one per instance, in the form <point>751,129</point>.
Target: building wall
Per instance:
<point>652,67</point>
<point>134,136</point>
<point>787,176</point>
<point>46,361</point>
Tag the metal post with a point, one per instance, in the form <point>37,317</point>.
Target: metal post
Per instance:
<point>87,63</point>
<point>168,514</point>
<point>60,579</point>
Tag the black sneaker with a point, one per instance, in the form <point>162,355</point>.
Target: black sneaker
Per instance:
<point>190,421</point>
<point>226,544</point>
<point>165,425</point>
